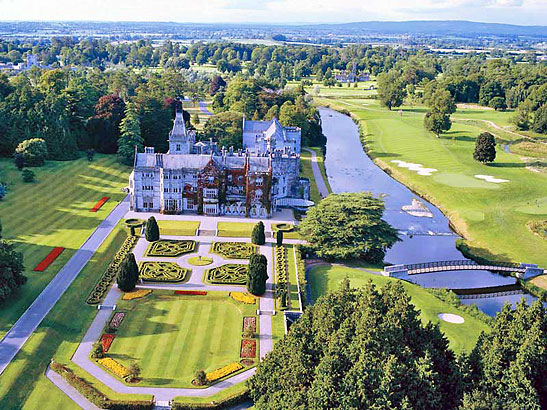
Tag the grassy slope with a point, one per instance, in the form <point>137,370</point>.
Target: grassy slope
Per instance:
<point>23,384</point>
<point>54,212</point>
<point>173,336</point>
<point>462,337</point>
<point>491,216</point>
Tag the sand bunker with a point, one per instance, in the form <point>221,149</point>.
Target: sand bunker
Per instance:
<point>418,168</point>
<point>489,178</point>
<point>451,318</point>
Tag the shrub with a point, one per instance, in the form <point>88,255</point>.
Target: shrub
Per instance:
<point>279,238</point>
<point>152,231</point>
<point>32,152</point>
<point>134,370</point>
<point>258,236</point>
<point>98,351</point>
<point>201,378</point>
<point>28,176</point>
<point>258,275</point>
<point>128,273</point>
<point>3,190</point>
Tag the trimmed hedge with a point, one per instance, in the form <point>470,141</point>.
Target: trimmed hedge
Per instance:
<point>228,274</point>
<point>301,273</point>
<point>94,395</point>
<point>234,250</point>
<point>100,289</point>
<point>227,403</point>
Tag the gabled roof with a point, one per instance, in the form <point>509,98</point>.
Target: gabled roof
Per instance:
<point>275,131</point>
<point>179,128</point>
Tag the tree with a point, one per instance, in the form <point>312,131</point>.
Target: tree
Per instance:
<point>540,120</point>
<point>348,225</point>
<point>485,148</point>
<point>272,113</point>
<point>216,84</point>
<point>152,230</point>
<point>104,127</point>
<point>32,152</point>
<point>11,270</point>
<point>97,352</point>
<point>359,349</point>
<point>195,119</point>
<point>28,176</point>
<point>130,136</point>
<point>226,128</point>
<point>258,236</point>
<point>200,378</point>
<point>498,103</point>
<point>509,365</point>
<point>391,89</point>
<point>279,238</point>
<point>257,275</point>
<point>3,191</point>
<point>437,122</point>
<point>128,273</point>
<point>134,370</point>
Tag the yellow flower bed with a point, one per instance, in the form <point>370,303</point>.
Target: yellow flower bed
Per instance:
<point>223,371</point>
<point>114,367</point>
<point>243,297</point>
<point>136,294</point>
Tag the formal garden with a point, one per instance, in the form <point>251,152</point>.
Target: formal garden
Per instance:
<point>162,272</point>
<point>228,274</point>
<point>170,248</point>
<point>234,250</point>
<point>157,332</point>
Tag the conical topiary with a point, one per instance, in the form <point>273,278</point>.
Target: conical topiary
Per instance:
<point>152,230</point>
<point>128,273</point>
<point>258,236</point>
<point>257,275</point>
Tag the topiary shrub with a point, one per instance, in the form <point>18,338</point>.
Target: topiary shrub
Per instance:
<point>97,352</point>
<point>257,275</point>
<point>152,231</point>
<point>28,176</point>
<point>279,238</point>
<point>128,273</point>
<point>258,236</point>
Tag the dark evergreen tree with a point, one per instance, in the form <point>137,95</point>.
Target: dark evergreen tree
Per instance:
<point>279,238</point>
<point>485,148</point>
<point>258,236</point>
<point>128,273</point>
<point>11,270</point>
<point>152,230</point>
<point>257,275</point>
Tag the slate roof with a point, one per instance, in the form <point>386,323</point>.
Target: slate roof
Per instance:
<point>179,128</point>
<point>199,161</point>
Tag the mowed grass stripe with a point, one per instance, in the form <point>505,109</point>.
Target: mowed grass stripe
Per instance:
<point>177,348</point>
<point>188,327</point>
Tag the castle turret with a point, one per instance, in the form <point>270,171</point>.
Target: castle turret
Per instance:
<point>181,141</point>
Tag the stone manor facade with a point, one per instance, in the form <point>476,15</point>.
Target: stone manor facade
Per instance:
<point>196,177</point>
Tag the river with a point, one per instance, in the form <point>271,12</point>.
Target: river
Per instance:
<point>424,239</point>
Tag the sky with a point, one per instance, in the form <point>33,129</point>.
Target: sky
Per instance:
<point>522,12</point>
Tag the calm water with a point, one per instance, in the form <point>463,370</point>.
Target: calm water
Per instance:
<point>349,169</point>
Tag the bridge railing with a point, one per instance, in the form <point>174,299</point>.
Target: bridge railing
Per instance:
<point>460,262</point>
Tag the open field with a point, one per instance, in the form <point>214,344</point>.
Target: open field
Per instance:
<point>491,216</point>
<point>23,384</point>
<point>173,336</point>
<point>462,337</point>
<point>52,212</point>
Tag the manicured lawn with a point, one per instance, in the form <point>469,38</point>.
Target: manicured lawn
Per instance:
<point>235,229</point>
<point>292,234</point>
<point>293,289</point>
<point>23,383</point>
<point>491,216</point>
<point>178,228</point>
<point>462,337</point>
<point>173,336</point>
<point>54,212</point>
<point>306,171</point>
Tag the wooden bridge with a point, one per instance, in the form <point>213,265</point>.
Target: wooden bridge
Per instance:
<point>522,270</point>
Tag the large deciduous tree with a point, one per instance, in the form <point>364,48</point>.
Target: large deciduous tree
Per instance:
<point>225,128</point>
<point>348,225</point>
<point>105,125</point>
<point>130,136</point>
<point>485,148</point>
<point>359,349</point>
<point>391,89</point>
<point>437,122</point>
<point>11,270</point>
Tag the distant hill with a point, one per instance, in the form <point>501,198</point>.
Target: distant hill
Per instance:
<point>435,27</point>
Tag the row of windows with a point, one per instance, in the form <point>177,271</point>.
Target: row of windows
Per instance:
<point>175,190</point>
<point>148,205</point>
<point>148,175</point>
<point>147,187</point>
<point>175,176</point>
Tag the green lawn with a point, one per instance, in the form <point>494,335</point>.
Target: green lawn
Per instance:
<point>173,336</point>
<point>462,337</point>
<point>178,228</point>
<point>23,383</point>
<point>492,217</point>
<point>293,280</point>
<point>54,212</point>
<point>235,229</point>
<point>306,171</point>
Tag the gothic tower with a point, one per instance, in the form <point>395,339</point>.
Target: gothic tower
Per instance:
<point>181,141</point>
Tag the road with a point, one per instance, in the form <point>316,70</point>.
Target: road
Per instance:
<point>16,337</point>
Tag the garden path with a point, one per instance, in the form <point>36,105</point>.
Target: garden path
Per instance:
<point>70,391</point>
<point>321,185</point>
<point>16,337</point>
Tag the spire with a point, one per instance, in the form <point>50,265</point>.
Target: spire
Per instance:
<point>179,128</point>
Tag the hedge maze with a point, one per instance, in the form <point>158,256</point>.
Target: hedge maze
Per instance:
<point>170,248</point>
<point>162,272</point>
<point>229,274</point>
<point>234,250</point>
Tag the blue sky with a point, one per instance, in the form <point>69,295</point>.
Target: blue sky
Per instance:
<point>525,12</point>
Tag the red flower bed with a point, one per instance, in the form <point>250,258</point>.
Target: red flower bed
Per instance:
<point>106,341</point>
<point>191,292</point>
<point>99,204</point>
<point>48,260</point>
<point>248,348</point>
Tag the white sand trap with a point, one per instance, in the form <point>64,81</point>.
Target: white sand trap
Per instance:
<point>489,178</point>
<point>418,168</point>
<point>451,318</point>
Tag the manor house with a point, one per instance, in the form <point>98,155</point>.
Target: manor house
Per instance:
<point>197,177</point>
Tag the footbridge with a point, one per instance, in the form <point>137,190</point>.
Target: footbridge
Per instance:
<point>521,270</point>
